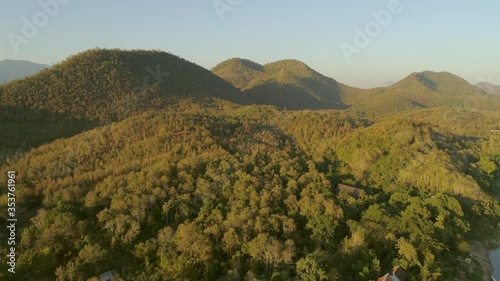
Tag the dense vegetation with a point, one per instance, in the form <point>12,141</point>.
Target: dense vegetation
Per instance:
<point>109,85</point>
<point>186,185</point>
<point>425,90</point>
<point>293,85</point>
<point>251,193</point>
<point>98,87</point>
<point>287,84</point>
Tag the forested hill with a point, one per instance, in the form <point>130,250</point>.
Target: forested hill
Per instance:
<point>144,164</point>
<point>110,85</point>
<point>292,84</point>
<point>287,84</point>
<point>101,86</point>
<point>250,194</point>
<point>106,85</point>
<point>426,90</point>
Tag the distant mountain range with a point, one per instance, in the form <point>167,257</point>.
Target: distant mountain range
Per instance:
<point>110,85</point>
<point>388,83</point>
<point>15,69</point>
<point>489,88</point>
<point>294,85</point>
<point>107,85</point>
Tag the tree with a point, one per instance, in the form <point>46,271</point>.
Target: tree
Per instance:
<point>310,267</point>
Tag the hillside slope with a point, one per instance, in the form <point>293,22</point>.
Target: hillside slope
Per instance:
<point>250,192</point>
<point>287,84</point>
<point>426,90</point>
<point>106,85</point>
<point>292,84</point>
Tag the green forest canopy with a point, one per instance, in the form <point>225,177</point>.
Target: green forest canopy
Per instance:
<point>173,180</point>
<point>250,192</point>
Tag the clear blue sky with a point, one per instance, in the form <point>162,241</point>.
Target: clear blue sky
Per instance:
<point>458,36</point>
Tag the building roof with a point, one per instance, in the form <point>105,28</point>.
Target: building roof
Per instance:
<point>399,273</point>
<point>353,190</point>
<point>386,277</point>
<point>107,276</point>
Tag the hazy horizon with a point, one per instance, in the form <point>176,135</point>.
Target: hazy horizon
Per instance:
<point>359,44</point>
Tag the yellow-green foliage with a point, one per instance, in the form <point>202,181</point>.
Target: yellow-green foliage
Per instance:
<point>187,185</point>
<point>205,193</point>
<point>109,85</point>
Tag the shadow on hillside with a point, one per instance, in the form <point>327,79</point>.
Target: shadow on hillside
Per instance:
<point>416,103</point>
<point>252,65</point>
<point>327,91</point>
<point>247,138</point>
<point>290,97</point>
<point>24,129</point>
<point>428,82</point>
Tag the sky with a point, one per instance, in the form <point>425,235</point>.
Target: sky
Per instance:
<point>359,43</point>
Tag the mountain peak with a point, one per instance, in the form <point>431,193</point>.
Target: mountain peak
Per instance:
<point>238,62</point>
<point>239,72</point>
<point>296,67</point>
<point>113,84</point>
<point>289,63</point>
<point>440,75</point>
<point>285,83</point>
<point>433,81</point>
